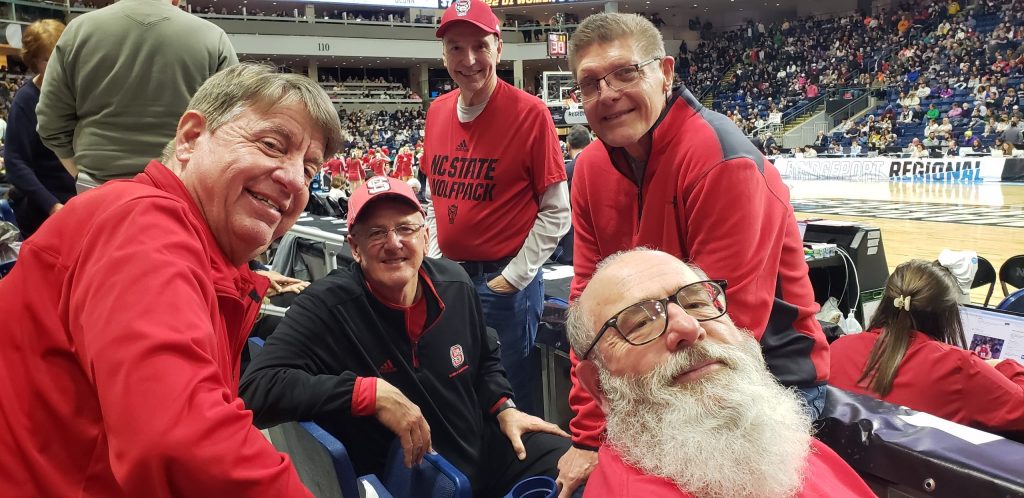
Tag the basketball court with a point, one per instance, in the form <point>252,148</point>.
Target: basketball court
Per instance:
<point>919,219</point>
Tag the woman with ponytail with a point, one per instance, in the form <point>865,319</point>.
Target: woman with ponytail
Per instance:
<point>913,355</point>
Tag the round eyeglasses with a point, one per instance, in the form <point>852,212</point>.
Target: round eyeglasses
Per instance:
<point>643,322</point>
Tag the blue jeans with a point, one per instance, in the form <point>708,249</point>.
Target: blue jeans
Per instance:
<point>515,317</point>
<point>814,400</point>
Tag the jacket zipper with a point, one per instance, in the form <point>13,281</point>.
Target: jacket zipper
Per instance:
<point>639,206</point>
<point>415,358</point>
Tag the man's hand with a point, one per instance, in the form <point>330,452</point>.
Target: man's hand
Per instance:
<point>404,418</point>
<point>56,207</point>
<point>280,284</point>
<point>515,423</point>
<point>573,468</point>
<point>501,286</point>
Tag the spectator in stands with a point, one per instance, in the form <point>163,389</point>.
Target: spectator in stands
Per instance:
<point>105,110</point>
<point>945,128</point>
<point>955,112</point>
<point>954,148</point>
<point>923,92</point>
<point>855,149</point>
<point>667,348</point>
<point>933,113</point>
<point>40,183</point>
<point>339,189</point>
<point>932,140</point>
<point>395,346</point>
<point>909,100</point>
<point>822,140</point>
<point>502,222</point>
<point>624,78</point>
<point>912,355</point>
<point>128,309</point>
<point>907,115</point>
<point>1006,149</point>
<point>912,146</point>
<point>978,147</point>
<point>1012,134</point>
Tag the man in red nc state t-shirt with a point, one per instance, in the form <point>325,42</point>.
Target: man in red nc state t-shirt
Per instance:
<point>734,431</point>
<point>498,185</point>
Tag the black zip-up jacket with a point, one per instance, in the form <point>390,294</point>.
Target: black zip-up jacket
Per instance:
<point>337,330</point>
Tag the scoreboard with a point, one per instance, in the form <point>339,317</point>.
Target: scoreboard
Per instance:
<point>558,45</point>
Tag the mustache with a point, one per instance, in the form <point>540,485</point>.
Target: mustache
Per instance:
<point>686,359</point>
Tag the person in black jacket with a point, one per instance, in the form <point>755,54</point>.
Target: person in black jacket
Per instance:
<point>41,184</point>
<point>396,345</point>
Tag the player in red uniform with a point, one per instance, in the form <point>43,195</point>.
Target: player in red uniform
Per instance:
<point>334,165</point>
<point>379,164</point>
<point>498,184</point>
<point>354,169</point>
<point>403,165</point>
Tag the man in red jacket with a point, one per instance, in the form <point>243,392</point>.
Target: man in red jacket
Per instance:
<point>126,314</point>
<point>671,175</point>
<point>655,345</point>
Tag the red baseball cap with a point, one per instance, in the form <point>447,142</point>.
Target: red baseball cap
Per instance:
<point>379,187</point>
<point>474,11</point>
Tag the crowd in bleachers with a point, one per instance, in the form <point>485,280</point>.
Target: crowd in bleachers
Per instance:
<point>953,90</point>
<point>784,67</point>
<point>383,129</point>
<point>379,88</point>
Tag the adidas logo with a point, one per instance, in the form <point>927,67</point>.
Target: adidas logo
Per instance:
<point>462,147</point>
<point>387,367</point>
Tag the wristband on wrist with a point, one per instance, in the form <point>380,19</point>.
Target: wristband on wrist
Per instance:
<point>504,406</point>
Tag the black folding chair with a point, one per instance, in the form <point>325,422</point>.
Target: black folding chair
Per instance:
<point>1012,272</point>
<point>986,275</point>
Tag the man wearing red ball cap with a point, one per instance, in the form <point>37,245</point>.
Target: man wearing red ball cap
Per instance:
<point>395,346</point>
<point>498,184</point>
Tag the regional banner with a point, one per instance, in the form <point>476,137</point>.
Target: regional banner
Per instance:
<point>877,169</point>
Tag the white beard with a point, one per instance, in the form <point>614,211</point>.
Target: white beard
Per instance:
<point>735,433</point>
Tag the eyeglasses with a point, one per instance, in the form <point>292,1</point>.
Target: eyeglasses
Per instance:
<point>378,235</point>
<point>646,321</point>
<point>620,79</point>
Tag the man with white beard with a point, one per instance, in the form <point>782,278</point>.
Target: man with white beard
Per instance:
<point>691,407</point>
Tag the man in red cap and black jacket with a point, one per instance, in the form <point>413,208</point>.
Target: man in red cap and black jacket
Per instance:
<point>396,345</point>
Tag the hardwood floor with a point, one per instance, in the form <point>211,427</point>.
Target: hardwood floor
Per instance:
<point>909,216</point>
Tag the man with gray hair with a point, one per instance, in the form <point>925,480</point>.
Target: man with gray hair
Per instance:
<point>118,80</point>
<point>669,174</point>
<point>128,310</point>
<point>655,344</point>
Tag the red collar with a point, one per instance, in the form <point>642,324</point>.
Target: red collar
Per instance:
<point>222,270</point>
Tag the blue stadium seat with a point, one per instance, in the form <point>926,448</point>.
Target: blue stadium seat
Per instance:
<point>434,477</point>
<point>1013,302</point>
<point>321,461</point>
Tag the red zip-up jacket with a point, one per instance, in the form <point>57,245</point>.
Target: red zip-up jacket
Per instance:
<point>123,329</point>
<point>709,197</point>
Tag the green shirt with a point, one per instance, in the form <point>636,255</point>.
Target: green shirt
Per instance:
<point>120,78</point>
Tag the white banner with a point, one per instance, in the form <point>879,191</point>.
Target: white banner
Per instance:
<point>876,169</point>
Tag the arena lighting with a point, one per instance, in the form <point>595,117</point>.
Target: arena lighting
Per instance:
<point>425,4</point>
<point>525,3</point>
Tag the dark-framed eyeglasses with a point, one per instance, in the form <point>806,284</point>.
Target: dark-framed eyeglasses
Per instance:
<point>378,235</point>
<point>589,89</point>
<point>643,322</point>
